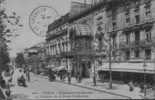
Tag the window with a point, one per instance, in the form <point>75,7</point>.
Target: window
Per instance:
<point>114,41</point>
<point>113,15</point>
<point>137,53</point>
<point>137,17</point>
<point>137,6</point>
<point>114,25</point>
<point>87,44</point>
<point>127,55</point>
<point>137,14</point>
<point>127,38</point>
<point>148,53</point>
<point>137,36</point>
<point>148,9</point>
<point>127,15</point>
<point>128,20</point>
<point>148,35</point>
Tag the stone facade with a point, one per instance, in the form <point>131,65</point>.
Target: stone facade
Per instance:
<point>128,23</point>
<point>124,25</point>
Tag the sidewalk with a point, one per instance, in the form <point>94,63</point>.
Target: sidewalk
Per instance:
<point>118,89</point>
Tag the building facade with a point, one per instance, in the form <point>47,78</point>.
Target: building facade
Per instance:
<point>69,41</point>
<point>127,28</point>
<point>35,57</point>
<point>123,31</point>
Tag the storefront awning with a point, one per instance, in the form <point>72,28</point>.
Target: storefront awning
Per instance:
<point>129,67</point>
<point>83,30</point>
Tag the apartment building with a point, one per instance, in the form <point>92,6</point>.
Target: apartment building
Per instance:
<point>123,30</point>
<point>127,27</point>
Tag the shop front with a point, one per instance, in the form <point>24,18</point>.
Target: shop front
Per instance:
<point>126,72</point>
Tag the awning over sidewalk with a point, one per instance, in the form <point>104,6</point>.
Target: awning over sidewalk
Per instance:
<point>83,30</point>
<point>129,67</point>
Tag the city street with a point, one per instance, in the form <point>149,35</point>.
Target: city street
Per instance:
<point>77,49</point>
<point>41,88</point>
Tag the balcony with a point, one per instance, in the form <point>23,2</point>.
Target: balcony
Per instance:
<point>146,22</point>
<point>138,44</point>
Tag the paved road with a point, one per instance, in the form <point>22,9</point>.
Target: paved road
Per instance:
<point>41,88</point>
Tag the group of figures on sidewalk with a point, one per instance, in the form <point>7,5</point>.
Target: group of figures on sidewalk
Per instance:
<point>62,75</point>
<point>11,78</point>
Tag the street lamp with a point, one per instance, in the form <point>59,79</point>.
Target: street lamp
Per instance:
<point>68,62</point>
<point>110,62</point>
<point>94,77</point>
<point>95,47</point>
<point>144,66</point>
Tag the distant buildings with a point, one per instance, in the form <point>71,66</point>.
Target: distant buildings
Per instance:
<point>124,26</point>
<point>36,57</point>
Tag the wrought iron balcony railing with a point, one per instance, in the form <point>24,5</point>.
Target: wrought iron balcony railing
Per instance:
<point>143,23</point>
<point>142,44</point>
<point>146,22</point>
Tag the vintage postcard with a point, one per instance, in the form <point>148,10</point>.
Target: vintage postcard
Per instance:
<point>77,49</point>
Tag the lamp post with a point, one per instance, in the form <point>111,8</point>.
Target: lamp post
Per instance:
<point>110,62</point>
<point>69,72</point>
<point>68,62</point>
<point>95,46</point>
<point>94,77</point>
<point>144,77</point>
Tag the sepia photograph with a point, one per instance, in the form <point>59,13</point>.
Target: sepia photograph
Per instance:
<point>77,49</point>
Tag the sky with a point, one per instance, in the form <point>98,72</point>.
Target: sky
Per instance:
<point>23,8</point>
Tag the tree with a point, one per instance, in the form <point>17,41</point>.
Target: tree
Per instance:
<point>8,25</point>
<point>4,57</point>
<point>20,60</point>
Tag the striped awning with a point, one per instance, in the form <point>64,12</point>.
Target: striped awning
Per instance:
<point>83,30</point>
<point>129,67</point>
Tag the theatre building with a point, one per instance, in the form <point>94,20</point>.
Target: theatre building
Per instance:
<point>69,42</point>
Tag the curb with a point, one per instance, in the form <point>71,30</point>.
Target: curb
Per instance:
<point>81,86</point>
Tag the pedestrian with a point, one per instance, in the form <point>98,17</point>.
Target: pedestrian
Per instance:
<point>7,77</point>
<point>79,77</point>
<point>131,86</point>
<point>27,73</point>
<point>142,87</point>
<point>4,85</point>
<point>69,77</point>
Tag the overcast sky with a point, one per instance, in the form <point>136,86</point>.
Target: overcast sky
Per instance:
<point>23,8</point>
